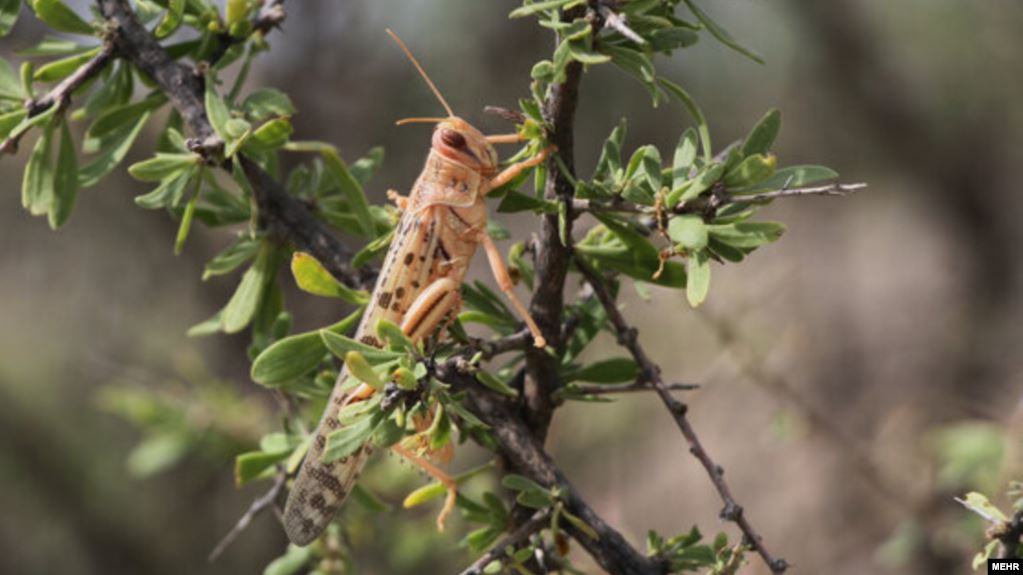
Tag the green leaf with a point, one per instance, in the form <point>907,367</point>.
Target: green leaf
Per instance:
<point>162,165</point>
<point>293,560</point>
<point>753,170</point>
<point>271,135</point>
<point>694,110</point>
<point>216,109</point>
<point>267,103</point>
<point>580,525</point>
<point>350,438</point>
<point>542,6</point>
<point>390,332</point>
<point>312,277</point>
<point>606,371</point>
<point>242,306</point>
<point>60,17</point>
<point>703,182</point>
<point>10,120</point>
<point>65,180</point>
<point>493,382</point>
<point>9,10</point>
<point>170,191</point>
<point>186,218</point>
<point>747,234</point>
<point>157,453</point>
<point>651,168</point>
<point>763,134</point>
<point>243,250</point>
<point>340,345</point>
<point>518,202</point>
<point>37,182</point>
<point>689,231</point>
<point>351,189</point>
<point>685,155</point>
<point>979,504</point>
<point>172,19</point>
<point>698,277</point>
<point>51,46</point>
<point>296,355</point>
<point>794,177</point>
<point>249,466</point>
<point>581,53</point>
<point>522,483</point>
<point>721,34</point>
<point>59,69</point>
<point>113,152</point>
<point>10,84</point>
<point>117,118</point>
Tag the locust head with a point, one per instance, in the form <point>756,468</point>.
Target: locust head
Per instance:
<point>457,140</point>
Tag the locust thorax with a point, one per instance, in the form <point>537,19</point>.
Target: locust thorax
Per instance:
<point>457,140</point>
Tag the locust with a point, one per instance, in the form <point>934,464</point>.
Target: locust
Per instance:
<point>443,221</point>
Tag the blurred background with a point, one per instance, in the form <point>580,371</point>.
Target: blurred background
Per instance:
<point>855,376</point>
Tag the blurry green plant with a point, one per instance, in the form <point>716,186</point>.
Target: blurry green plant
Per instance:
<point>659,219</point>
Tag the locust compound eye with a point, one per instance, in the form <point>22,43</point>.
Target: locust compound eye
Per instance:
<point>452,138</point>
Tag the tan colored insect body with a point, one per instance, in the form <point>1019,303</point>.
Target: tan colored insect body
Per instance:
<point>443,222</point>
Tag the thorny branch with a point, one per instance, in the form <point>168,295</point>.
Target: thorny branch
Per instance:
<point>628,337</point>
<point>281,213</point>
<point>519,435</point>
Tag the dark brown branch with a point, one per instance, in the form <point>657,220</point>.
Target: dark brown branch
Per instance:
<point>552,256</point>
<point>526,455</point>
<point>521,534</point>
<point>1009,536</point>
<point>279,211</point>
<point>628,338</point>
<point>60,95</point>
<point>262,503</point>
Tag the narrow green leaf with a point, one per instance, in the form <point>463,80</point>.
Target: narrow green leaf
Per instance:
<point>118,117</point>
<point>172,19</point>
<point>242,306</point>
<point>763,134</point>
<point>542,6</point>
<point>10,120</point>
<point>293,561</point>
<point>37,182</point>
<point>65,180</point>
<point>249,466</point>
<point>170,191</point>
<point>703,182</point>
<point>216,109</point>
<point>10,84</point>
<point>606,371</point>
<point>266,103</point>
<point>685,155</point>
<point>9,10</point>
<point>340,345</point>
<point>518,202</point>
<point>495,383</point>
<point>162,165</point>
<point>186,218</point>
<point>113,152</point>
<point>698,277</point>
<point>794,177</point>
<point>721,34</point>
<point>60,17</point>
<point>695,112</point>
<point>60,69</point>
<point>351,189</point>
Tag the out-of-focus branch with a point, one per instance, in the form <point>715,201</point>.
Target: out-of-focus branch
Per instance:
<point>260,504</point>
<point>521,534</point>
<point>628,338</point>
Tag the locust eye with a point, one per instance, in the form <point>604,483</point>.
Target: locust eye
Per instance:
<point>452,138</point>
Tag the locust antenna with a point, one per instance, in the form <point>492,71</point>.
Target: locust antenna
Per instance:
<point>422,72</point>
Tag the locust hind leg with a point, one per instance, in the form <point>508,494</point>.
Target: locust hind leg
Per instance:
<point>504,281</point>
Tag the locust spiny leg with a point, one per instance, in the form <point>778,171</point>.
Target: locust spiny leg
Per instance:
<point>509,173</point>
<point>504,281</point>
<point>435,472</point>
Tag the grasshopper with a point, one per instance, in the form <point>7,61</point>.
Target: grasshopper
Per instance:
<point>443,221</point>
